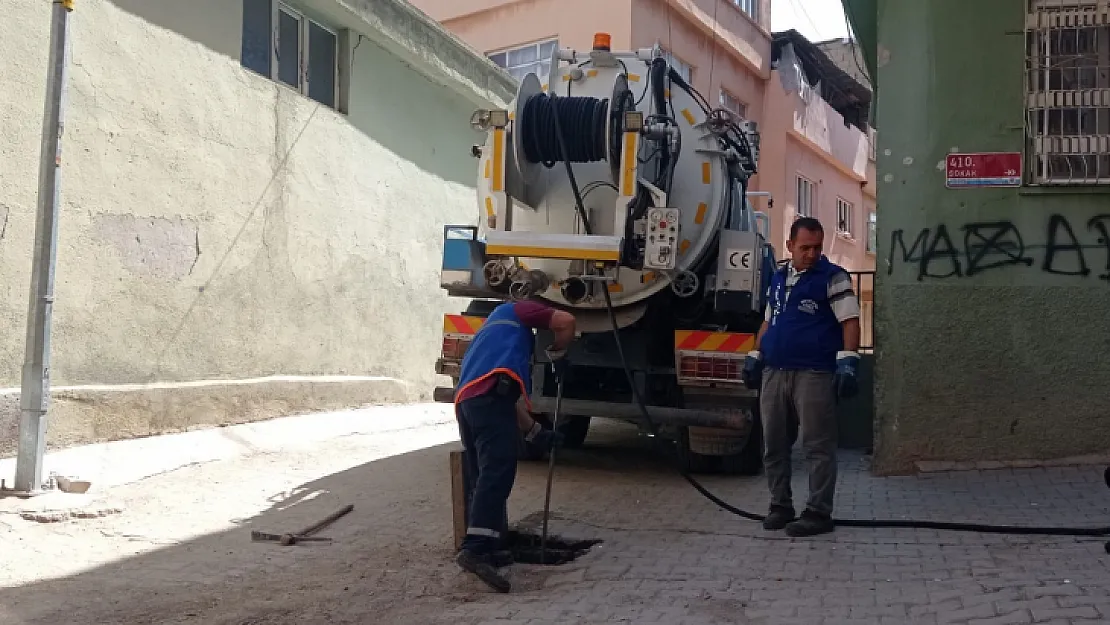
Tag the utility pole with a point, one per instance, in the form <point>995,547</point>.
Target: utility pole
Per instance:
<point>34,396</point>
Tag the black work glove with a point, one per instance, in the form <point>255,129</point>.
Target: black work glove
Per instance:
<point>752,374</point>
<point>560,364</point>
<point>545,439</point>
<point>847,385</point>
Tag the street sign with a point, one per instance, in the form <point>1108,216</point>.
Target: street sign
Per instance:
<point>983,169</point>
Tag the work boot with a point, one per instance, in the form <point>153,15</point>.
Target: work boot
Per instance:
<point>810,524</point>
<point>502,558</point>
<point>777,518</point>
<point>482,567</point>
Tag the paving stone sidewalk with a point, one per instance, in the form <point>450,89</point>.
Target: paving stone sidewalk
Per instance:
<point>178,551</point>
<point>670,556</point>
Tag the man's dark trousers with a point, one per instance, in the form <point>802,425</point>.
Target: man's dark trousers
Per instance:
<point>808,398</point>
<point>490,437</point>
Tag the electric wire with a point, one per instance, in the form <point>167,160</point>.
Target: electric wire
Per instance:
<point>983,528</point>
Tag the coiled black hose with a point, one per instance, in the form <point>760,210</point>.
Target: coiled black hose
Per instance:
<point>540,139</point>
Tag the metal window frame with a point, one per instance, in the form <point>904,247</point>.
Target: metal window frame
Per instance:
<point>741,106</point>
<point>1041,142</point>
<point>850,206</point>
<point>812,196</point>
<point>748,7</point>
<point>872,231</point>
<point>303,31</point>
<point>533,44</point>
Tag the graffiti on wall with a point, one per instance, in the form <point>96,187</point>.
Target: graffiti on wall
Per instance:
<point>975,248</point>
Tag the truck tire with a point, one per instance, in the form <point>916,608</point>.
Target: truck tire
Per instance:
<point>748,461</point>
<point>575,430</point>
<point>690,461</point>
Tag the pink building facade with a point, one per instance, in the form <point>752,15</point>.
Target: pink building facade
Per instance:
<point>812,163</point>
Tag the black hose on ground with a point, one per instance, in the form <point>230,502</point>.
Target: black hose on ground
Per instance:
<point>983,528</point>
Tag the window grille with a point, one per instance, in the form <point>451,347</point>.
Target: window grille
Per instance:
<point>1067,86</point>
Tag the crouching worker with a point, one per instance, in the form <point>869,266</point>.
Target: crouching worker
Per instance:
<point>491,405</point>
<point>809,346</point>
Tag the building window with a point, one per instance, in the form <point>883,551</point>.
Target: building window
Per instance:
<point>730,102</point>
<point>1067,84</point>
<point>872,143</point>
<point>844,210</point>
<point>872,233</point>
<point>683,68</point>
<point>281,43</point>
<point>751,7</point>
<point>806,196</point>
<point>527,59</point>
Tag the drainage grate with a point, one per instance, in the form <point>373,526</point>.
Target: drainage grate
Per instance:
<point>526,548</point>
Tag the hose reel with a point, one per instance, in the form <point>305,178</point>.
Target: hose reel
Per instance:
<point>592,127</point>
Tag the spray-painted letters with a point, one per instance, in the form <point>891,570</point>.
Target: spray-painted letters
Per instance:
<point>986,245</point>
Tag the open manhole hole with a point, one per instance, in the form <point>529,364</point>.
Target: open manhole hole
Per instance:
<point>526,548</point>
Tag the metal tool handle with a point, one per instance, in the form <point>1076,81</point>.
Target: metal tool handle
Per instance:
<point>316,527</point>
<point>550,472</point>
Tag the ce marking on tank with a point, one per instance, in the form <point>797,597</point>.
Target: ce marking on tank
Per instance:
<point>745,259</point>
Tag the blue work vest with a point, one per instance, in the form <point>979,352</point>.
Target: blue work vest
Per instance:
<point>502,345</point>
<point>803,332</point>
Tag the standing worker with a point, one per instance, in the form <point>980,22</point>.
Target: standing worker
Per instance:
<point>809,346</point>
<point>492,406</point>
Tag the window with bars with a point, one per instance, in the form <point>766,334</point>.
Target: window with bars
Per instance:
<point>732,103</point>
<point>751,7</point>
<point>283,44</point>
<point>844,217</point>
<point>806,197</point>
<point>527,59</point>
<point>872,233</point>
<point>1068,92</point>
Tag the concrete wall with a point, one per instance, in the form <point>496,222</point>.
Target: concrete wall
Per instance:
<point>992,302</point>
<point>490,25</point>
<point>848,56</point>
<point>733,53</point>
<point>217,227</point>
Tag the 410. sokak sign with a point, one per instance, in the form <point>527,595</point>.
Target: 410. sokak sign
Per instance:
<point>982,169</point>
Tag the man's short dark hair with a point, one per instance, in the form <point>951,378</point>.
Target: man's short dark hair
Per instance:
<point>806,223</point>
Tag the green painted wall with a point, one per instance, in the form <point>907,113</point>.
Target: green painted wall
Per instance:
<point>992,304</point>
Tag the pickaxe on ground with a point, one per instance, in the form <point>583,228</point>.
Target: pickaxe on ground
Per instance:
<point>305,535</point>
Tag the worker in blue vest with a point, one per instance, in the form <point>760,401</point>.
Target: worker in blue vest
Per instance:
<point>806,358</point>
<point>493,409</point>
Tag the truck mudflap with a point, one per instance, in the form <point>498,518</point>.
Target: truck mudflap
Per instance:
<point>738,419</point>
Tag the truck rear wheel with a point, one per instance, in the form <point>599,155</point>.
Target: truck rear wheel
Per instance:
<point>711,450</point>
<point>575,430</point>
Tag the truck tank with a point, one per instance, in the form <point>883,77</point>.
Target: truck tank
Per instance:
<point>611,174</point>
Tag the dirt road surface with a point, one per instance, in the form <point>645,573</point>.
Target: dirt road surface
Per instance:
<point>167,538</point>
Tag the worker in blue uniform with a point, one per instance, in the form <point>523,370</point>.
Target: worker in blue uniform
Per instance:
<point>493,409</point>
<point>806,358</point>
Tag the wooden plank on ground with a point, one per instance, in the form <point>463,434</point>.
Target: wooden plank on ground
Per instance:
<point>458,498</point>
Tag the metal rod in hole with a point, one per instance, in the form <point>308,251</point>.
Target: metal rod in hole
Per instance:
<point>550,473</point>
<point>34,395</point>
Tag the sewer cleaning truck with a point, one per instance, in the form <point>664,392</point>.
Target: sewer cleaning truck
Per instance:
<point>611,188</point>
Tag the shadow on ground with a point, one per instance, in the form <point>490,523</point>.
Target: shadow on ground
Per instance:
<point>390,562</point>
